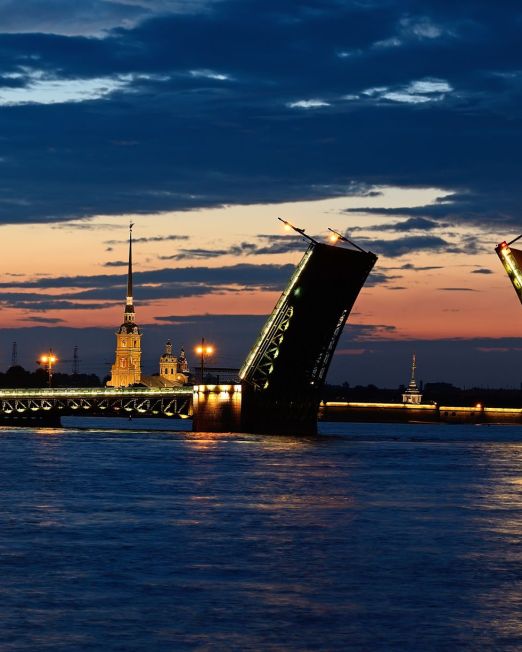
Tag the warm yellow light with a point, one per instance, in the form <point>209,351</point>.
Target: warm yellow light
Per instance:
<point>333,237</point>
<point>209,350</point>
<point>199,350</point>
<point>287,227</point>
<point>44,358</point>
<point>478,405</point>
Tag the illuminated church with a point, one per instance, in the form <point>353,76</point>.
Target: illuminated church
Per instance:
<point>126,370</point>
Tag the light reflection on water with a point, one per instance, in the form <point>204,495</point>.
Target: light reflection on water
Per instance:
<point>379,537</point>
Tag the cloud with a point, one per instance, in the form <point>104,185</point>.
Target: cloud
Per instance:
<point>88,17</point>
<point>457,289</point>
<point>419,268</point>
<point>36,319</point>
<point>155,238</point>
<point>104,291</point>
<point>207,127</point>
<point>482,270</point>
<point>412,224</point>
<point>408,245</point>
<point>308,104</point>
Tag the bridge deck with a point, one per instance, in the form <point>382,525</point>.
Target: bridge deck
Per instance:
<point>107,401</point>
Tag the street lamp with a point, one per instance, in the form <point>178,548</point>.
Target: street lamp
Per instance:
<point>202,350</point>
<point>48,360</point>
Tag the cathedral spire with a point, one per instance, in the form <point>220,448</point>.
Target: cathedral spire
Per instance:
<point>126,369</point>
<point>412,393</point>
<point>413,383</point>
<point>129,274</point>
<point>129,305</point>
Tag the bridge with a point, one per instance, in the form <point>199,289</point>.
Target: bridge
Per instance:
<point>280,380</point>
<point>511,259</point>
<point>20,406</point>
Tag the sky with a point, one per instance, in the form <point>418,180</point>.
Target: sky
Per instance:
<point>202,121</point>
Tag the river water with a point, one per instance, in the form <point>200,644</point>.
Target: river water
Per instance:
<point>368,537</point>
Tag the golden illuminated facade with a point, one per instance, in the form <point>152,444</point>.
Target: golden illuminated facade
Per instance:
<point>126,369</point>
<point>173,369</point>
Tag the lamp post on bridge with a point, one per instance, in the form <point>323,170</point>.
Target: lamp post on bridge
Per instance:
<point>48,360</point>
<point>203,350</point>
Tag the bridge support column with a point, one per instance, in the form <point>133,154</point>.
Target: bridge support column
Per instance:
<point>217,408</point>
<point>240,408</point>
<point>265,413</point>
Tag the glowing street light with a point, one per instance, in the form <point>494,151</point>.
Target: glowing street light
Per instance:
<point>203,350</point>
<point>47,360</point>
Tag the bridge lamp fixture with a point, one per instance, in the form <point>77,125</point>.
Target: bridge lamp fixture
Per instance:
<point>203,350</point>
<point>48,360</point>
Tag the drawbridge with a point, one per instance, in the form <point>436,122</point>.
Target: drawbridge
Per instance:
<point>511,259</point>
<point>286,368</point>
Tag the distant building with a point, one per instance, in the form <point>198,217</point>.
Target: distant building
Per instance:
<point>126,369</point>
<point>412,393</point>
<point>173,369</point>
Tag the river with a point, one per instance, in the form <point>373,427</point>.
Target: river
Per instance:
<point>368,537</point>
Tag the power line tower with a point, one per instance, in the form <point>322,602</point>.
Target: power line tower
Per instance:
<point>14,355</point>
<point>75,362</point>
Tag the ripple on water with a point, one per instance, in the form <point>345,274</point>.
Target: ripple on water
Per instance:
<point>370,537</point>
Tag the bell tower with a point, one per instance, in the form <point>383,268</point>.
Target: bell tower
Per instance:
<point>126,369</point>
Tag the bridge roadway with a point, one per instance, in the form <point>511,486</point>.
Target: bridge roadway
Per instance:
<point>37,404</point>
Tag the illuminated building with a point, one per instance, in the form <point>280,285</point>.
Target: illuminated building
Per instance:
<point>126,369</point>
<point>174,369</point>
<point>511,259</point>
<point>412,393</point>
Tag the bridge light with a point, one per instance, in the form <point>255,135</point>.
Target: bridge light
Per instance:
<point>48,359</point>
<point>203,350</point>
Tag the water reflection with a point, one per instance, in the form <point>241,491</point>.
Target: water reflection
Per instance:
<point>389,538</point>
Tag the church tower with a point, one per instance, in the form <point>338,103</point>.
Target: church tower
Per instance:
<point>412,393</point>
<point>126,369</point>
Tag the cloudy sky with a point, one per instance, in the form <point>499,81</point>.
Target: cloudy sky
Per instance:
<point>396,121</point>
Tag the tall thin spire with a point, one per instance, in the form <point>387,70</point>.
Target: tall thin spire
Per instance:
<point>129,273</point>
<point>129,315</point>
<point>413,383</point>
<point>412,393</point>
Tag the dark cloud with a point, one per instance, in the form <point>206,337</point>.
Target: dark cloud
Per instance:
<point>36,319</point>
<point>482,270</point>
<point>408,245</point>
<point>457,289</point>
<point>270,244</point>
<point>413,224</point>
<point>155,238</point>
<point>103,291</point>
<point>116,263</point>
<point>419,268</point>
<point>406,93</point>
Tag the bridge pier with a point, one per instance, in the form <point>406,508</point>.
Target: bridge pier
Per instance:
<point>240,408</point>
<point>216,408</point>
